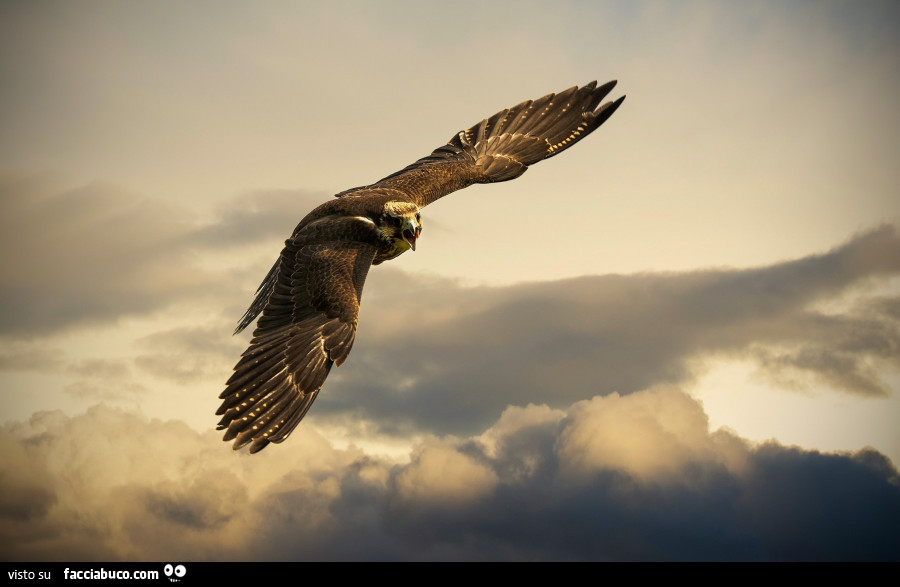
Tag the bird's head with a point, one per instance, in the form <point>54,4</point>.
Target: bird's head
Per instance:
<point>402,224</point>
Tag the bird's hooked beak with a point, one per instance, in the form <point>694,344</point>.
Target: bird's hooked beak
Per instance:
<point>411,231</point>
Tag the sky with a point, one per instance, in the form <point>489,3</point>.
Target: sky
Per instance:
<point>702,362</point>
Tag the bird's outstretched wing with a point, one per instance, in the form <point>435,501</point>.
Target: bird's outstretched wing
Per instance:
<point>310,299</point>
<point>310,303</point>
<point>502,147</point>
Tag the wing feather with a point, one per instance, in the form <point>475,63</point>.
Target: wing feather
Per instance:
<point>501,147</point>
<point>321,272</point>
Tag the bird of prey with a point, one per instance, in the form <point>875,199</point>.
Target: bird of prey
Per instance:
<point>309,300</point>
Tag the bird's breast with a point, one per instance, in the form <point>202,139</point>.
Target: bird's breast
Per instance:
<point>391,250</point>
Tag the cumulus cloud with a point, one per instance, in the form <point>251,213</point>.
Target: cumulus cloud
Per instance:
<point>609,478</point>
<point>117,486</point>
<point>655,435</point>
<point>441,476</point>
<point>572,438</point>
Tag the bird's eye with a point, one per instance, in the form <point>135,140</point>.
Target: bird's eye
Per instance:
<point>418,216</point>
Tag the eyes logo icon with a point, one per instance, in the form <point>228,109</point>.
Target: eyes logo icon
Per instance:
<point>178,572</point>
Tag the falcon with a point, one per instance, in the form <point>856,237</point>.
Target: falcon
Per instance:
<point>309,301</point>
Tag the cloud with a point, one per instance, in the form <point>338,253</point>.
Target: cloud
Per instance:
<point>20,357</point>
<point>256,216</point>
<point>655,435</point>
<point>571,437</point>
<point>434,356</point>
<point>87,255</point>
<point>439,475</point>
<point>650,482</point>
<point>27,486</point>
<point>188,354</point>
<point>97,253</point>
<point>103,379</point>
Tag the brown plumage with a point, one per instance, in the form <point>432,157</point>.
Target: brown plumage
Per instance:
<point>309,300</point>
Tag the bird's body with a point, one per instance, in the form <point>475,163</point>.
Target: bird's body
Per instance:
<point>309,301</point>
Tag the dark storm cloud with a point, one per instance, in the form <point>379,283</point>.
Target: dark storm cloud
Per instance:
<point>538,484</point>
<point>443,358</point>
<point>98,252</point>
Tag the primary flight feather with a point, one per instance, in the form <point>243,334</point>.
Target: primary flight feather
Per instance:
<point>309,300</point>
